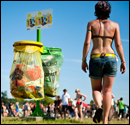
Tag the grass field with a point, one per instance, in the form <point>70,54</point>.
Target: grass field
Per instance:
<point>16,120</point>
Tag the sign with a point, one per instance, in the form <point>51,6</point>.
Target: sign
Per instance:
<point>39,19</point>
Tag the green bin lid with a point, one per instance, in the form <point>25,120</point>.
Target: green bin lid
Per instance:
<point>48,50</point>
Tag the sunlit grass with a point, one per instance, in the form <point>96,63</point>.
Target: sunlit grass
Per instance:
<point>16,120</point>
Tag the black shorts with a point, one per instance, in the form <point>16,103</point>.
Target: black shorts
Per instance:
<point>88,111</point>
<point>64,108</point>
<point>121,111</point>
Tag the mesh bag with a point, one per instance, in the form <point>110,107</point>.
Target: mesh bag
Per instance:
<point>26,75</point>
<point>52,59</point>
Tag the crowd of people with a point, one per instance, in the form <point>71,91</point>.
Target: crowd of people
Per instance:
<point>63,107</point>
<point>15,111</point>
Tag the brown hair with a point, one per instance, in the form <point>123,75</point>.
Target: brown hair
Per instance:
<point>102,10</point>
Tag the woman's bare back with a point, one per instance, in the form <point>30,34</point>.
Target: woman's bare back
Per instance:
<point>102,28</point>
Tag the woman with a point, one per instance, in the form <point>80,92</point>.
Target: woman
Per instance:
<point>3,110</point>
<point>117,111</point>
<point>79,103</point>
<point>29,109</point>
<point>32,107</point>
<point>44,110</point>
<point>13,110</point>
<point>102,64</point>
<point>17,108</point>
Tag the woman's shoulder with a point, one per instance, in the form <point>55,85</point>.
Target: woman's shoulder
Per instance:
<point>113,23</point>
<point>80,94</point>
<point>92,22</point>
<point>97,20</point>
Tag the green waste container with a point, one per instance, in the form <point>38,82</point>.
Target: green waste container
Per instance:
<point>52,60</point>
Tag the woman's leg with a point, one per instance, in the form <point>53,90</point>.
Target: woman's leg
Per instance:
<point>76,113</point>
<point>80,112</point>
<point>96,91</point>
<point>107,98</point>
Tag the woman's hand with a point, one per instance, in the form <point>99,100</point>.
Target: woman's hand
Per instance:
<point>122,68</point>
<point>84,66</point>
<point>83,100</point>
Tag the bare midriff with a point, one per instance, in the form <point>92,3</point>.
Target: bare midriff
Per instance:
<point>101,45</point>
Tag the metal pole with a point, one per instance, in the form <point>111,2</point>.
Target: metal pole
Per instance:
<point>38,35</point>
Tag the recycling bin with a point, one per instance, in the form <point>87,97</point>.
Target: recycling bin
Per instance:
<point>26,75</point>
<point>52,59</point>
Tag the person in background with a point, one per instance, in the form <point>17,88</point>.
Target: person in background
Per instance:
<point>112,102</point>
<point>4,111</point>
<point>25,109</point>
<point>65,98</point>
<point>83,112</point>
<point>56,106</point>
<point>111,112</point>
<point>70,109</point>
<point>7,112</point>
<point>17,109</point>
<point>49,110</point>
<point>9,108</point>
<point>117,111</point>
<point>121,107</point>
<point>13,110</point>
<point>44,110</point>
<point>93,107</point>
<point>2,107</point>
<point>52,110</point>
<point>41,106</point>
<point>29,109</point>
<point>60,106</point>
<point>88,111</point>
<point>79,104</point>
<point>33,106</point>
<point>127,115</point>
<point>86,115</point>
<point>125,111</point>
<point>73,107</point>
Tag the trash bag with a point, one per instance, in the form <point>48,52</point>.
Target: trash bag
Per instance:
<point>52,59</point>
<point>26,75</point>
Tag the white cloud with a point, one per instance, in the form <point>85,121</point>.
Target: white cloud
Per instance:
<point>125,40</point>
<point>74,60</point>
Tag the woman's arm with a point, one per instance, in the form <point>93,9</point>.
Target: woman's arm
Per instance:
<point>119,48</point>
<point>113,96</point>
<point>86,47</point>
<point>83,96</point>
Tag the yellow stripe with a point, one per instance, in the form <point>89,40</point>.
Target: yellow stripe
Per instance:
<point>19,43</point>
<point>28,48</point>
<point>98,55</point>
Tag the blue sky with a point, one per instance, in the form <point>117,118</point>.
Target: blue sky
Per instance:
<point>68,32</point>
